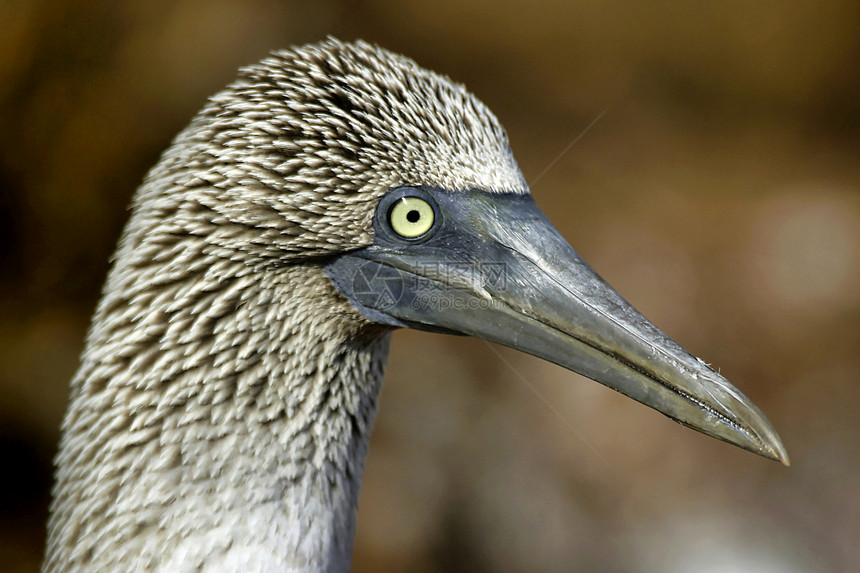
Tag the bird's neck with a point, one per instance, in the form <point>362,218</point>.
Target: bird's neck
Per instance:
<point>217,425</point>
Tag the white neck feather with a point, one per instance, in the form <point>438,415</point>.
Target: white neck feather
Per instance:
<point>216,425</point>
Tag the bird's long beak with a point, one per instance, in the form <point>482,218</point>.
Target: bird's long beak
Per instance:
<point>497,269</point>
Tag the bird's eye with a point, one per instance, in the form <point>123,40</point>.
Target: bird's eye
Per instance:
<point>411,217</point>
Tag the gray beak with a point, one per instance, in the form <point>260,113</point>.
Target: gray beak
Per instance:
<point>493,266</point>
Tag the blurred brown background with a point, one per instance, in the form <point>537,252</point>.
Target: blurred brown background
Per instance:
<point>718,193</point>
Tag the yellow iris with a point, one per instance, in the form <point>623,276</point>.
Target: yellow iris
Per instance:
<point>411,217</point>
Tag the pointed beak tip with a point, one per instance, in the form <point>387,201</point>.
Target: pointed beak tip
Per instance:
<point>781,455</point>
<point>771,447</point>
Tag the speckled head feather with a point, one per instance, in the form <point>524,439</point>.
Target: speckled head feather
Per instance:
<point>302,145</point>
<point>220,416</point>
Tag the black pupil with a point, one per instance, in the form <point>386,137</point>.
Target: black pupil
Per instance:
<point>413,216</point>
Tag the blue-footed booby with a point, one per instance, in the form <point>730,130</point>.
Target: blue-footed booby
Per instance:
<point>334,192</point>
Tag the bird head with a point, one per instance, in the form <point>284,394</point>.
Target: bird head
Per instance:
<point>401,187</point>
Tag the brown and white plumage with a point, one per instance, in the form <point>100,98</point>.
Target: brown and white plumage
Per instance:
<point>221,413</point>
